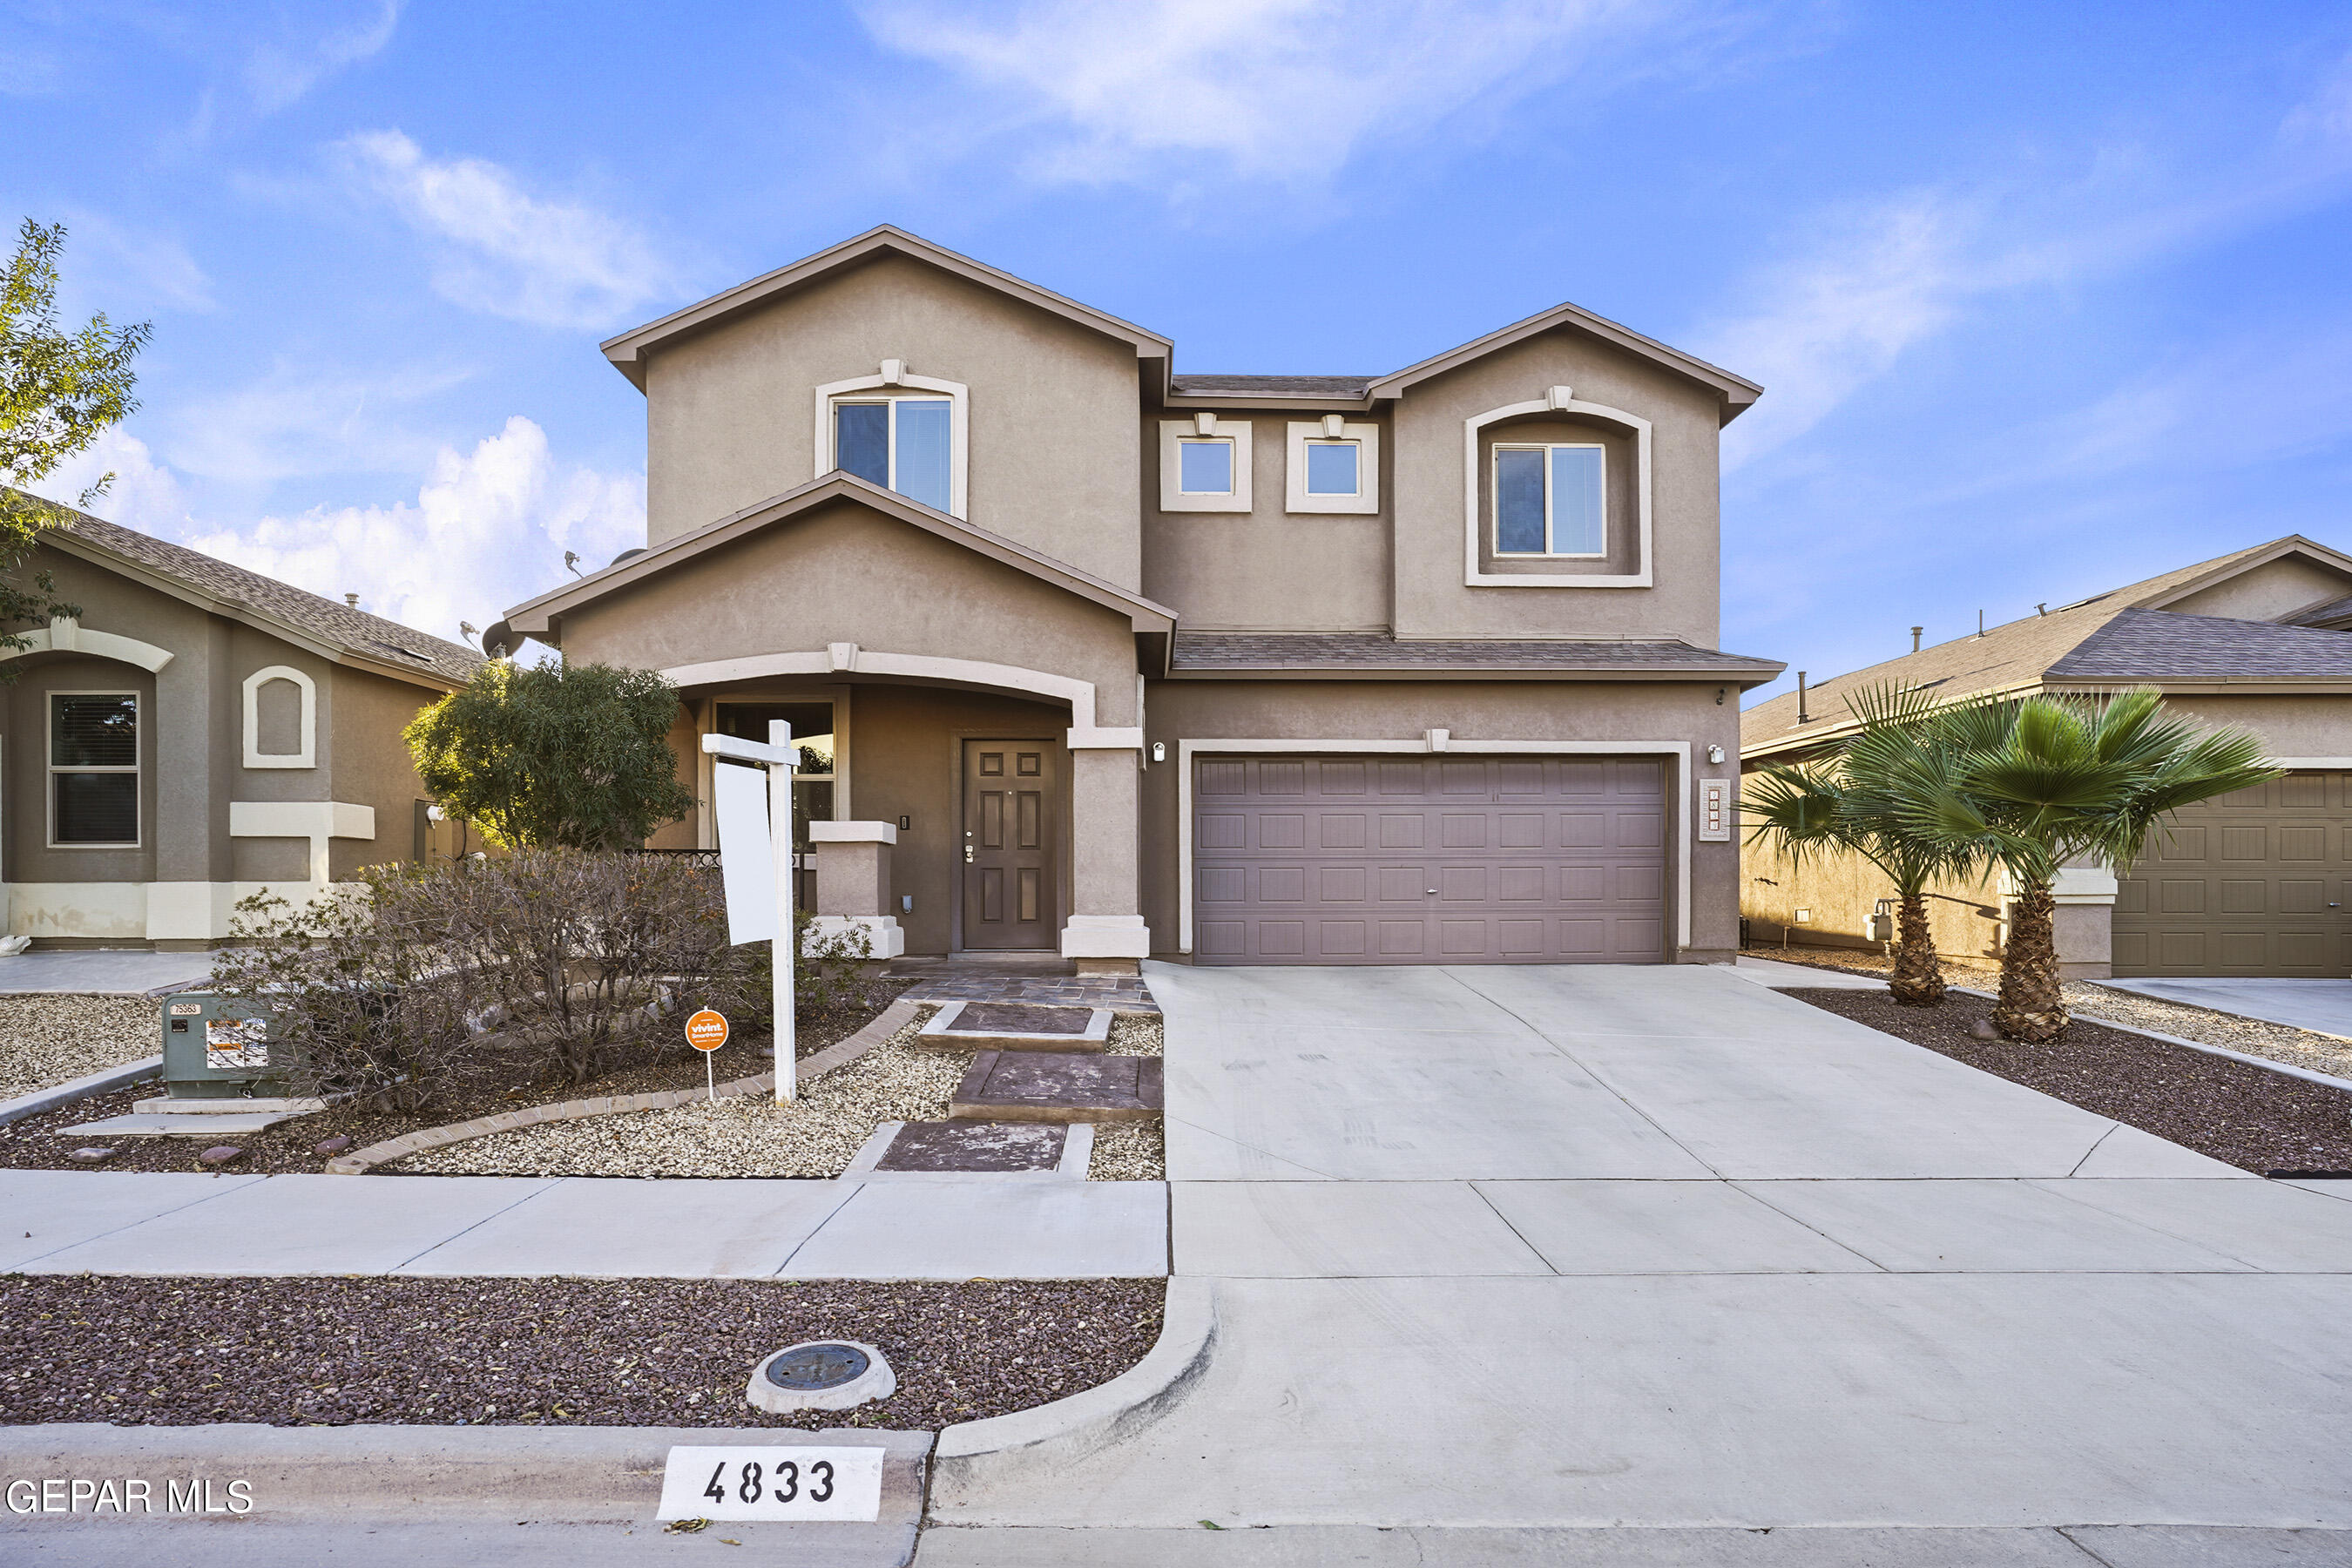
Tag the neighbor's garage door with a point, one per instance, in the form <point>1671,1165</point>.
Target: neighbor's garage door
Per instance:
<point>2249,884</point>
<point>1429,861</point>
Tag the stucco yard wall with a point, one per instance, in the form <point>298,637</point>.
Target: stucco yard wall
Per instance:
<point>1321,710</point>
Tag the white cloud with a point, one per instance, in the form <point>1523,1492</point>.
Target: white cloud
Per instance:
<point>277,73</point>
<point>487,528</point>
<point>500,249</point>
<point>1285,90</point>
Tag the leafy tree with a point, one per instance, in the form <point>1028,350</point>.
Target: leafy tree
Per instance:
<point>2048,781</point>
<point>1850,802</point>
<point>59,391</point>
<point>554,756</point>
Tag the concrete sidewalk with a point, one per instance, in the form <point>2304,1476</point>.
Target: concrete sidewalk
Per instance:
<point>2324,1007</point>
<point>1500,1254</point>
<point>99,1222</point>
<point>105,971</point>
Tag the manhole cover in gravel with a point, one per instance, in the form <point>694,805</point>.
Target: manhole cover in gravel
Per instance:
<point>812,1367</point>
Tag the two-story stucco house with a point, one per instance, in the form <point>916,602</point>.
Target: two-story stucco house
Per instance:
<point>1404,668</point>
<point>200,732</point>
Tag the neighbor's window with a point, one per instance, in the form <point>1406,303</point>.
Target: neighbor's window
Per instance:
<point>1549,501</point>
<point>1333,467</point>
<point>1204,467</point>
<point>93,768</point>
<point>899,443</point>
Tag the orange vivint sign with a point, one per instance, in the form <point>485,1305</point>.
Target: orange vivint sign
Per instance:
<point>707,1030</point>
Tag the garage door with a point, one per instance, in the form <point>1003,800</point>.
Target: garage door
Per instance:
<point>1429,861</point>
<point>2252,883</point>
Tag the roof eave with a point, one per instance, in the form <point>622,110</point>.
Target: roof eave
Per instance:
<point>1735,392</point>
<point>1745,678</point>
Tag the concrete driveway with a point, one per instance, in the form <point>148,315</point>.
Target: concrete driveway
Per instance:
<point>2323,1006</point>
<point>1502,1256</point>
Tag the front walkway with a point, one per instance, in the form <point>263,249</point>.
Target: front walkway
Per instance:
<point>101,971</point>
<point>2321,1005</point>
<point>119,1222</point>
<point>1501,1254</point>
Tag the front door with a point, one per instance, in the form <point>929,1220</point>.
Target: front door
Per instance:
<point>1008,844</point>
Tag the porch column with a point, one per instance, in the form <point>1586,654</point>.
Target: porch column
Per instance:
<point>853,884</point>
<point>1105,932</point>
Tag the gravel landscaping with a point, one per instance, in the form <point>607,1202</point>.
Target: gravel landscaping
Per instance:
<point>2256,1038</point>
<point>2244,1115</point>
<point>569,1352</point>
<point>815,1135</point>
<point>47,1040</point>
<point>34,1142</point>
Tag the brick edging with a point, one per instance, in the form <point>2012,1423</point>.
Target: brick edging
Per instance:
<point>891,1019</point>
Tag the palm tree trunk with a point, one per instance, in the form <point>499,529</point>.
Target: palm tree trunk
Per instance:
<point>1918,978</point>
<point>2031,1007</point>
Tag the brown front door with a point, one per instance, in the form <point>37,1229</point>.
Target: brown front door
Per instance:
<point>1008,844</point>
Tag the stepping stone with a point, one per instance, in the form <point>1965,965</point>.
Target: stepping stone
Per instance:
<point>1038,1086</point>
<point>210,1126</point>
<point>974,1146</point>
<point>1016,1026</point>
<point>226,1105</point>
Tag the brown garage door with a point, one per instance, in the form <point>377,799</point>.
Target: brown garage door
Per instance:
<point>2252,883</point>
<point>1429,861</point>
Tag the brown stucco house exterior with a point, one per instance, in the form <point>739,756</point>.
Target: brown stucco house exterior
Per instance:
<point>199,733</point>
<point>1114,662</point>
<point>2253,884</point>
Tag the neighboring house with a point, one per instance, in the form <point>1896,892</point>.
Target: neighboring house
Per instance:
<point>1111,661</point>
<point>2253,884</point>
<point>199,733</point>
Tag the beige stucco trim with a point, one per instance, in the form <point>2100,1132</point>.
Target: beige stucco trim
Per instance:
<point>1173,433</point>
<point>138,912</point>
<point>307,756</point>
<point>852,832</point>
<point>2308,764</point>
<point>893,373</point>
<point>1295,497</point>
<point>1430,743</point>
<point>65,635</point>
<point>316,820</point>
<point>1558,400</point>
<point>1084,733</point>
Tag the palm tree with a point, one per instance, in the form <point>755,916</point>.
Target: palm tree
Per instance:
<point>2046,781</point>
<point>1851,802</point>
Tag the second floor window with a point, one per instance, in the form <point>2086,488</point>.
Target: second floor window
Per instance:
<point>902,444</point>
<point>93,768</point>
<point>1205,466</point>
<point>1333,468</point>
<point>1549,501</point>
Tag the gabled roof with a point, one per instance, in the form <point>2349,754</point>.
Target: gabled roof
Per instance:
<point>2164,647</point>
<point>627,352</point>
<point>1369,654</point>
<point>2026,655</point>
<point>540,617</point>
<point>1736,392</point>
<point>334,631</point>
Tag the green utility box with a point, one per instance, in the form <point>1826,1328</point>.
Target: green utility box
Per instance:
<point>218,1048</point>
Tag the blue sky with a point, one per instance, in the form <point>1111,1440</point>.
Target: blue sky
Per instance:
<point>2045,298</point>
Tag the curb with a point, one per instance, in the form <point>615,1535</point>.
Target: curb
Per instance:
<point>422,1474</point>
<point>359,1162</point>
<point>49,1099</point>
<point>978,1459</point>
<point>2289,1069</point>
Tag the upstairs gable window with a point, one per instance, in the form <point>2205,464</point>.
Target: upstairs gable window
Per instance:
<point>1549,500</point>
<point>903,444</point>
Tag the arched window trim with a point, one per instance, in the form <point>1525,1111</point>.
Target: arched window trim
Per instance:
<point>1556,400</point>
<point>894,377</point>
<point>308,756</point>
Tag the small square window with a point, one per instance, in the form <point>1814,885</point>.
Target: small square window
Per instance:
<point>1206,468</point>
<point>1332,468</point>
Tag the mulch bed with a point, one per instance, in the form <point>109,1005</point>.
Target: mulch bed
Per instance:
<point>35,1144</point>
<point>567,1353</point>
<point>2243,1115</point>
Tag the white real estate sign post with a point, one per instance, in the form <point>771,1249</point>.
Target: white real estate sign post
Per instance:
<point>759,885</point>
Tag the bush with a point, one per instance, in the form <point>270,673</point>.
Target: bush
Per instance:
<point>548,965</point>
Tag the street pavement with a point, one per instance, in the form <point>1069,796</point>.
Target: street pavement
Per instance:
<point>1637,1265</point>
<point>2323,1006</point>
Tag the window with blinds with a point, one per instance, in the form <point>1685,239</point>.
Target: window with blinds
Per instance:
<point>93,768</point>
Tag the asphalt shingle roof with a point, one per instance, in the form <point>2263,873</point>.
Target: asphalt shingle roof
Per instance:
<point>371,637</point>
<point>1337,386</point>
<point>2158,646</point>
<point>1376,650</point>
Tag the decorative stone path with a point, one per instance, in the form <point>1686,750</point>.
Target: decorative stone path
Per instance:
<point>1120,993</point>
<point>974,1146</point>
<point>1016,1026</point>
<point>1047,1086</point>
